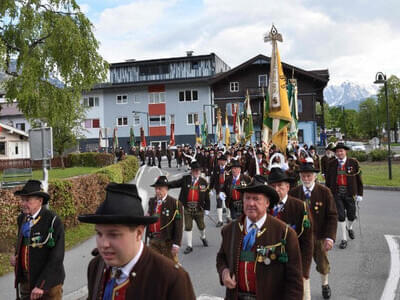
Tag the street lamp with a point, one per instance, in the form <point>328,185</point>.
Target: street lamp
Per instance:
<point>212,118</point>
<point>147,117</point>
<point>379,79</point>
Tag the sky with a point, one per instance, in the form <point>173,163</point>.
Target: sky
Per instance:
<point>353,39</point>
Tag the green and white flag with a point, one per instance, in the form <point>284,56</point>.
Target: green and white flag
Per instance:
<point>204,129</point>
<point>248,120</point>
<point>292,95</point>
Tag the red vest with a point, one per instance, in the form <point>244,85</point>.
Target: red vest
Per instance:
<point>119,291</point>
<point>24,256</point>
<point>247,275</point>
<point>155,227</point>
<point>341,175</point>
<point>236,193</point>
<point>194,192</point>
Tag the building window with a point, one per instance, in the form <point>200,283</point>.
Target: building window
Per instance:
<point>188,95</point>
<point>234,86</point>
<point>299,105</point>
<point>123,121</point>
<point>136,120</point>
<point>91,101</point>
<point>192,118</point>
<point>136,99</point>
<point>92,123</point>
<point>20,126</point>
<point>262,80</point>
<point>157,120</point>
<point>300,135</point>
<point>195,65</point>
<point>155,98</point>
<point>145,70</point>
<point>2,148</point>
<point>122,99</point>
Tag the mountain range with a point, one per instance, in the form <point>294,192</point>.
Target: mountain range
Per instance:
<point>348,94</point>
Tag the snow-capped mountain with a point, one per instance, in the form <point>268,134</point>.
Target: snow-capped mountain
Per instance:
<point>349,94</point>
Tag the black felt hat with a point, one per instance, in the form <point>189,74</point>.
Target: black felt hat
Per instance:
<point>195,165</point>
<point>222,157</point>
<point>123,205</point>
<point>260,185</point>
<point>278,175</point>
<point>330,146</point>
<point>340,145</point>
<point>235,163</point>
<point>307,167</point>
<point>161,181</point>
<point>33,188</point>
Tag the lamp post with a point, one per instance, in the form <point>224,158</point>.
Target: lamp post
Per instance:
<point>212,118</point>
<point>147,118</point>
<point>379,79</point>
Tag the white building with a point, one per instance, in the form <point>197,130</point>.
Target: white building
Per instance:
<point>14,143</point>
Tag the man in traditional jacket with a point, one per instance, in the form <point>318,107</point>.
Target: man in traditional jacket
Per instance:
<point>344,179</point>
<point>324,220</point>
<point>165,235</point>
<point>169,156</point>
<point>261,162</point>
<point>296,214</point>
<point>124,268</point>
<point>158,154</point>
<point>217,183</point>
<point>259,257</point>
<point>233,197</point>
<point>39,255</point>
<point>195,197</point>
<point>325,160</point>
<point>314,156</point>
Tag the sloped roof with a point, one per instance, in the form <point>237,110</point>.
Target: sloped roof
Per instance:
<point>320,75</point>
<point>13,130</point>
<point>10,109</point>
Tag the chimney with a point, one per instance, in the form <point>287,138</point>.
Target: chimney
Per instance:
<point>189,53</point>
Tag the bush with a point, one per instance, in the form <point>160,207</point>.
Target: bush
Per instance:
<point>122,172</point>
<point>89,159</point>
<point>359,155</point>
<point>378,154</point>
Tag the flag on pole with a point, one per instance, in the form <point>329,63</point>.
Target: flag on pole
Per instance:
<point>238,126</point>
<point>235,115</point>
<point>100,139</point>
<point>248,128</point>
<point>142,138</point>
<point>204,129</point>
<point>132,137</point>
<point>227,131</point>
<point>172,135</point>
<point>267,122</point>
<point>279,104</point>
<point>115,140</point>
<point>197,132</point>
<point>292,94</point>
<point>219,126</point>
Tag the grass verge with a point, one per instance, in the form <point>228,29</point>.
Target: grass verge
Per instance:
<point>65,173</point>
<point>376,173</point>
<point>73,237</point>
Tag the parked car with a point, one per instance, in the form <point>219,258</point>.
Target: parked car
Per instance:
<point>356,146</point>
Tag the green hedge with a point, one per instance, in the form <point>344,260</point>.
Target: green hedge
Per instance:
<point>359,155</point>
<point>90,159</point>
<point>122,172</point>
<point>378,154</point>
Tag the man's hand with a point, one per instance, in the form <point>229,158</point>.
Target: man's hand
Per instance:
<point>36,293</point>
<point>328,244</point>
<point>13,260</point>
<point>206,212</point>
<point>227,280</point>
<point>222,196</point>
<point>359,198</point>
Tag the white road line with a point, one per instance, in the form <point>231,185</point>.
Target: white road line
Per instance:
<point>389,292</point>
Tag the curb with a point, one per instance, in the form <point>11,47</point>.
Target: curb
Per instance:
<point>382,188</point>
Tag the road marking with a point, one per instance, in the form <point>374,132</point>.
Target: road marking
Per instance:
<point>389,292</point>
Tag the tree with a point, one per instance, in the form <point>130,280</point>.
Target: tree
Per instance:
<point>49,39</point>
<point>393,90</point>
<point>368,120</point>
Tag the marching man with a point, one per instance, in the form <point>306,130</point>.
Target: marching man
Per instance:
<point>166,234</point>
<point>324,220</point>
<point>194,196</point>
<point>344,179</point>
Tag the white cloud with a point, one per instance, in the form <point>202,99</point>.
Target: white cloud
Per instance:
<point>353,47</point>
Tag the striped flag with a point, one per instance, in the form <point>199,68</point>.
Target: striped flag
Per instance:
<point>142,138</point>
<point>227,131</point>
<point>278,98</point>
<point>248,128</point>
<point>292,94</point>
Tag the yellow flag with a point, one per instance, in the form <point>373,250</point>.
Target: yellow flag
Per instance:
<point>227,132</point>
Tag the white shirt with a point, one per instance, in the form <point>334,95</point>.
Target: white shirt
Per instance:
<point>342,160</point>
<point>36,213</point>
<point>129,266</point>
<point>259,223</point>
<point>309,189</point>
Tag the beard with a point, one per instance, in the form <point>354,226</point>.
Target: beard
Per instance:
<point>307,184</point>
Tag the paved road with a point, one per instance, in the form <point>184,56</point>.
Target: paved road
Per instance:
<point>359,272</point>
